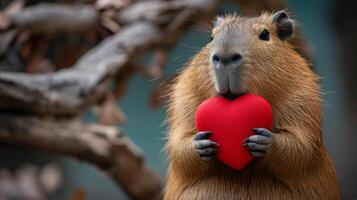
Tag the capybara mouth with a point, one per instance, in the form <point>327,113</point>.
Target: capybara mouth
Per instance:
<point>230,95</point>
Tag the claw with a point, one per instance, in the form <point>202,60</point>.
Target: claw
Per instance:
<point>258,144</point>
<point>258,139</point>
<point>255,146</point>
<point>202,144</point>
<point>203,135</point>
<point>262,131</point>
<point>257,153</point>
<point>206,148</point>
<point>207,151</point>
<point>207,158</point>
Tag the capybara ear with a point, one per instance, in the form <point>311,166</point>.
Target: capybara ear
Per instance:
<point>284,25</point>
<point>218,21</point>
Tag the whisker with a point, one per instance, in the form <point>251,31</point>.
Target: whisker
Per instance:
<point>189,46</point>
<point>180,57</point>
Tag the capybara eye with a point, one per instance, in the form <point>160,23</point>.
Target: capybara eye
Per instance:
<point>211,38</point>
<point>264,35</point>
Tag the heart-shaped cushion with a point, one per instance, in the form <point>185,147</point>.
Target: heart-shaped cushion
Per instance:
<point>231,122</point>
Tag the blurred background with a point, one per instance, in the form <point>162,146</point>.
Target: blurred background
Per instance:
<point>329,26</point>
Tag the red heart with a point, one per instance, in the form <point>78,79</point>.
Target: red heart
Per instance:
<point>231,122</point>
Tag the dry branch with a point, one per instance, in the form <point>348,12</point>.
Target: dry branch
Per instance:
<point>48,18</point>
<point>54,17</point>
<point>71,90</point>
<point>103,146</point>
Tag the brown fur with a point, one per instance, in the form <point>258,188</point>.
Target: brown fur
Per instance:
<point>296,166</point>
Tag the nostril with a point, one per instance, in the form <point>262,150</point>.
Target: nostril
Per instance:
<point>236,57</point>
<point>215,59</point>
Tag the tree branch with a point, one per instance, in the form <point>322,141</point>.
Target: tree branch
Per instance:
<point>55,17</point>
<point>71,90</point>
<point>104,146</point>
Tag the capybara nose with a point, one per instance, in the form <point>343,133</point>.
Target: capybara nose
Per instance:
<point>225,60</point>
